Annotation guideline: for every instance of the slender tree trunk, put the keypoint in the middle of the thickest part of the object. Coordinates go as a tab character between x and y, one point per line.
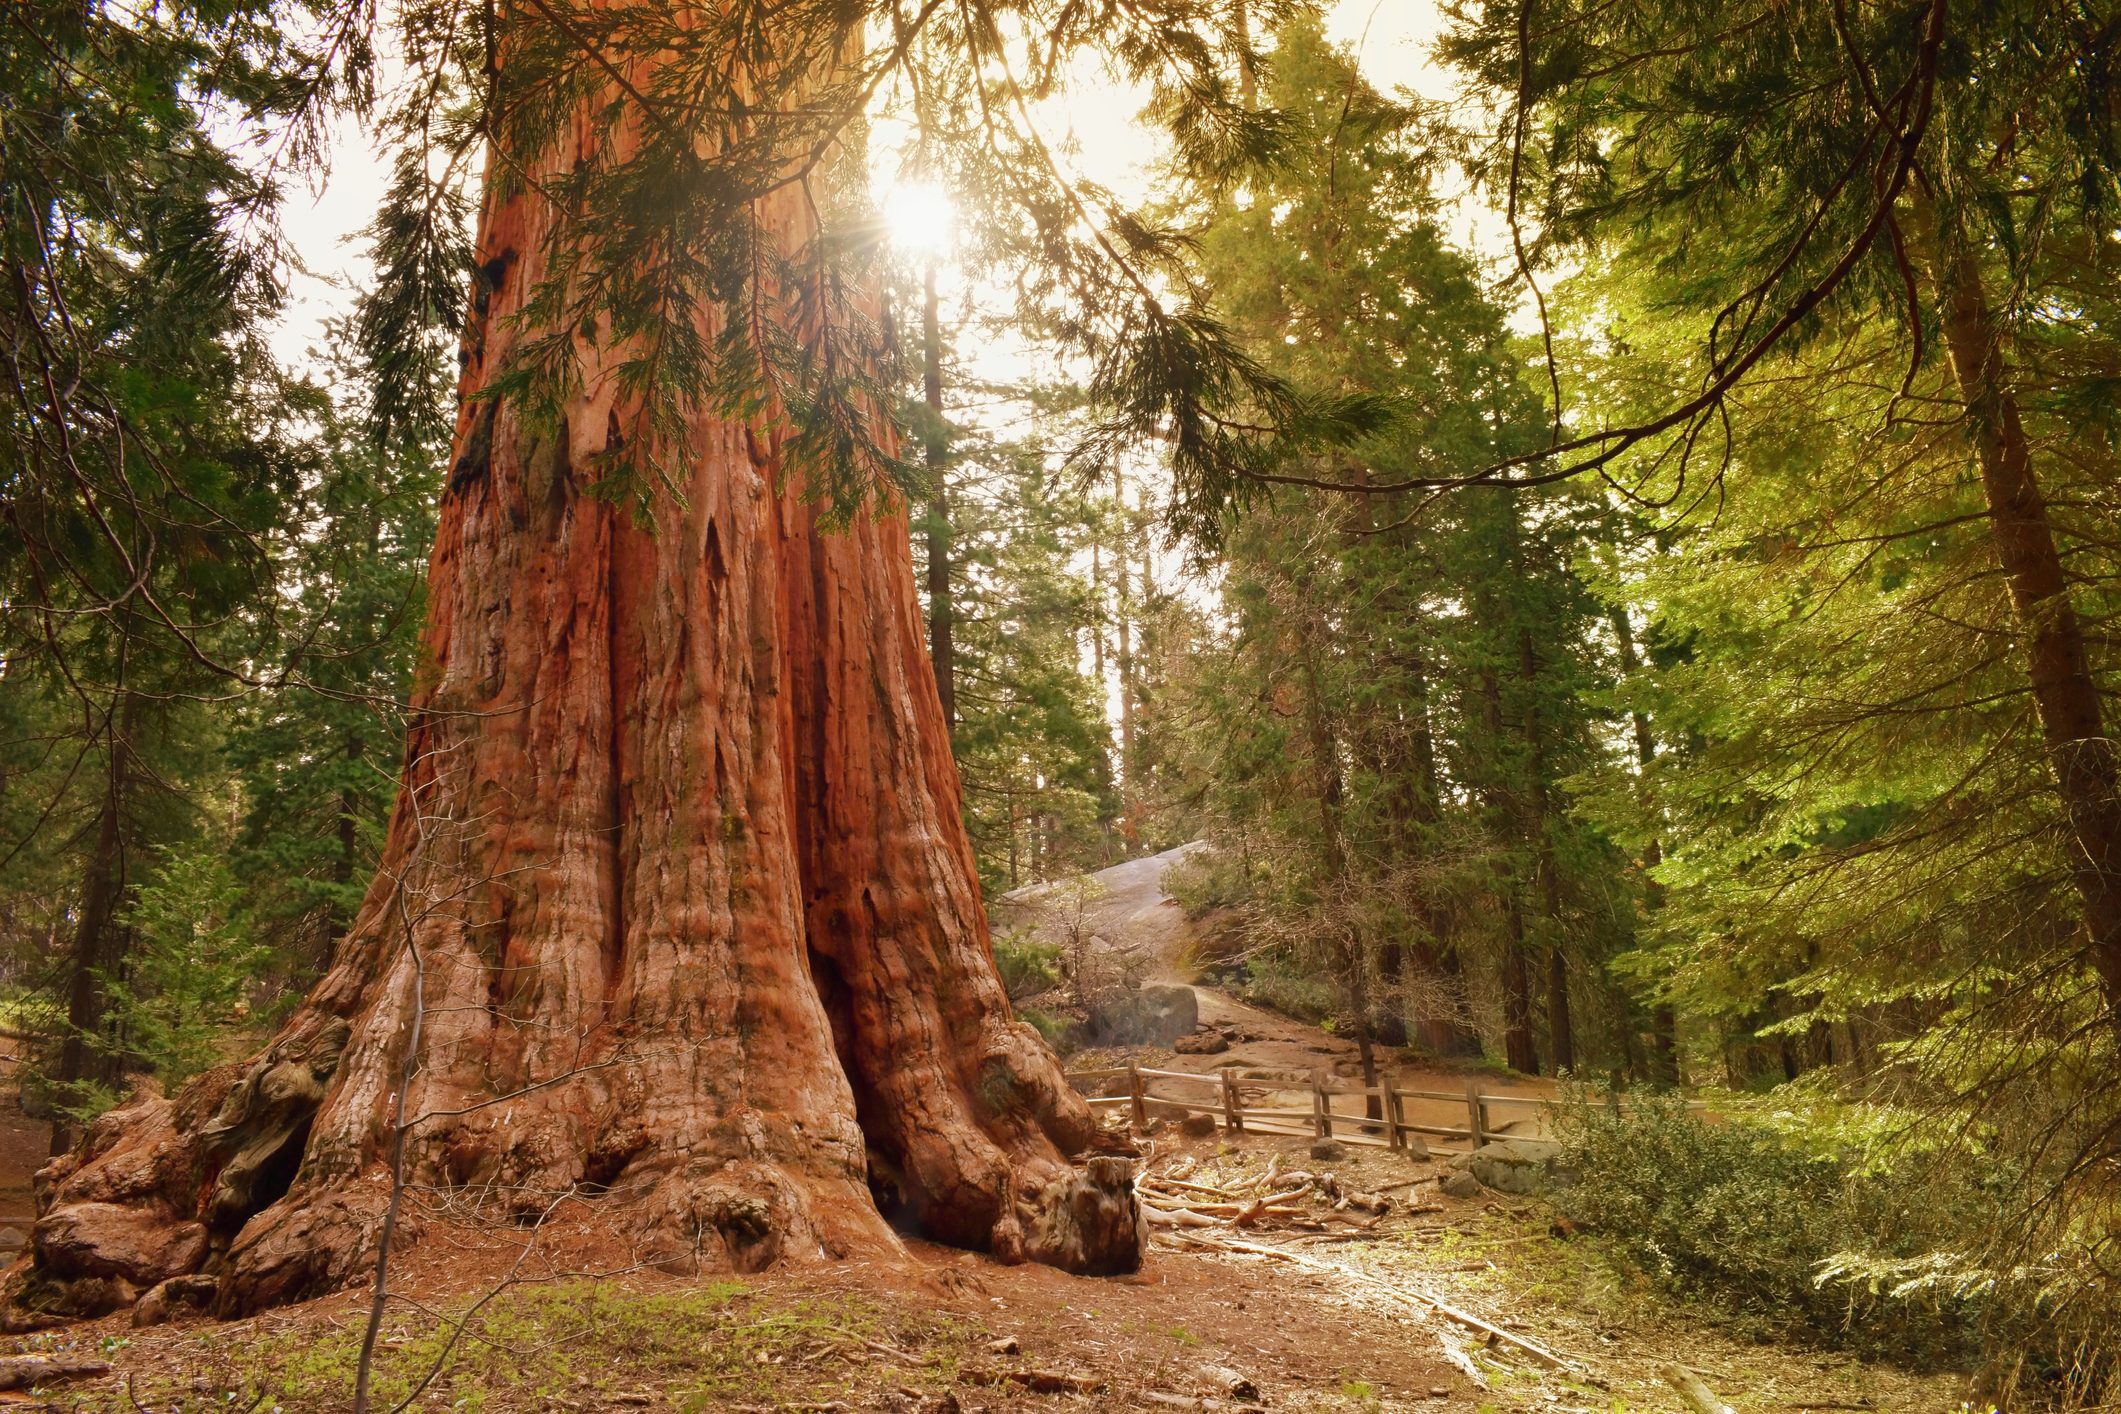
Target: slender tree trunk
678	840
1664	1024
2065	694
1443	1028
1519	1050
941	615
1561	1030
1325	764
1097	621
1123	612
98	949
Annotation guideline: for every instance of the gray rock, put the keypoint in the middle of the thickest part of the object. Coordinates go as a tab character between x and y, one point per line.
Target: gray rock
1330	1150
1156	1015
1461	1185
1522	1166
1417	1147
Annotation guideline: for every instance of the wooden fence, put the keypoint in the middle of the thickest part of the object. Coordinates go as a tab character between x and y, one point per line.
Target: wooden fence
1384	1123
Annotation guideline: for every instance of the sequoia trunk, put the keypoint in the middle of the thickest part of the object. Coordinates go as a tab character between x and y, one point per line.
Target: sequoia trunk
678	868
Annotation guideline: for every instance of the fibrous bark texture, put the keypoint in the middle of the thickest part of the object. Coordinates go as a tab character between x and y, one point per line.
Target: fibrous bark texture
676	882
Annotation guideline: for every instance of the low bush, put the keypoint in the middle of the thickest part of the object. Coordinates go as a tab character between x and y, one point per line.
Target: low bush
1027	965
1059	1030
1777	1233
1277	983
1203	880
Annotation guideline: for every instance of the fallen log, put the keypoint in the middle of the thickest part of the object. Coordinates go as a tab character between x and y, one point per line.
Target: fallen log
1177	1217
24	1371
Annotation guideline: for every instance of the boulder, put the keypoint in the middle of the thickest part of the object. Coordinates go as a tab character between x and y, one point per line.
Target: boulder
1202	1043
1461	1185
1197	1126
1329	1150
1156	1015
1417	1147
1522	1166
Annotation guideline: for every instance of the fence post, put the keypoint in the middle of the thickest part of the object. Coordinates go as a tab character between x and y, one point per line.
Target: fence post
1135	1089
1476	1116
1233	1107
1322	1113
1392	1117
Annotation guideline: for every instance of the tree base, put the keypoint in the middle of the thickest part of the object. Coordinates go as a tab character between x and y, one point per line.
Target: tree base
200	1192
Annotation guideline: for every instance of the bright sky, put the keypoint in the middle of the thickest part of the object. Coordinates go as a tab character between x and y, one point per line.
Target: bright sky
323	227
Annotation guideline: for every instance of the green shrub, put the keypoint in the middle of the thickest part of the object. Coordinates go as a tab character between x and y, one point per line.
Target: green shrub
185	993
1203	880
1770	1228
1059	1031
1277	983
1027	965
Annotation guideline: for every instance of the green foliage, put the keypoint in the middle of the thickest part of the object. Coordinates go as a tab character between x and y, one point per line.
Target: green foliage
1059	1031
193	968
1778	1229
1031	738
1863	864
1381	733
1285	984
1028	966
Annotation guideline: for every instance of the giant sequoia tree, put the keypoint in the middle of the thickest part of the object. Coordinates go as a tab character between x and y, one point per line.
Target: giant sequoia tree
676	903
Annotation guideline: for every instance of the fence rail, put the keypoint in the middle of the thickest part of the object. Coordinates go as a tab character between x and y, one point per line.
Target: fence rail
1384	1123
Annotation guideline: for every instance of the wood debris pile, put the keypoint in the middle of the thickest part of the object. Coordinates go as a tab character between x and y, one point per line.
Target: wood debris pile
1297	1201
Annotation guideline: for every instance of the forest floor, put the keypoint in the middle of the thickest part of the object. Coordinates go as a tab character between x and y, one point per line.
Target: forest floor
1326	1310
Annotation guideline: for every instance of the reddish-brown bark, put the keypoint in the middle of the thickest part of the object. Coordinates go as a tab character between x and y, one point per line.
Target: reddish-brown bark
696	917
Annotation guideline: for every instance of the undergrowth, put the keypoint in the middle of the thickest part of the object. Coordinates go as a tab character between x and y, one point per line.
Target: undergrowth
1782	1237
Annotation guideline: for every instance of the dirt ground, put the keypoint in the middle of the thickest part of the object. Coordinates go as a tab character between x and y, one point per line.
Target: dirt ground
1339	1315
1479	1304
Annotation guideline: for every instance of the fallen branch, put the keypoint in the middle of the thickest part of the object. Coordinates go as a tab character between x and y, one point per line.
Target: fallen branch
1158	1182
1037	1381
1698	1396
22	1371
1240	1211
1177	1217
1463	1361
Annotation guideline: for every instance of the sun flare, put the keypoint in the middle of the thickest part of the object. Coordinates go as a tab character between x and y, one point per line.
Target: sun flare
921	219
